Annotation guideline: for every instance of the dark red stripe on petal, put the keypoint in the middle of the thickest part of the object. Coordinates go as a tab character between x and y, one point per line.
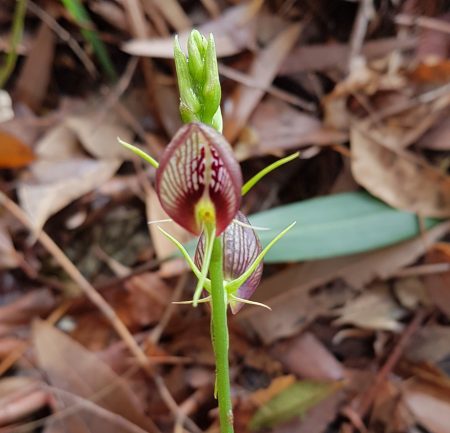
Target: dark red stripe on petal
241	247
199	163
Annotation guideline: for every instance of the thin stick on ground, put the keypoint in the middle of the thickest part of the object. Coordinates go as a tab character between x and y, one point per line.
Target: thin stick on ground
100	303
395	355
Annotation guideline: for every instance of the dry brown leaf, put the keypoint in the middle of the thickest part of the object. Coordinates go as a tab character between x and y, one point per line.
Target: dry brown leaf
148	298
73	369
288	295
58	183
276	126
86	416
9	385
6	108
389	411
438	285
58	143
438	137
429	405
330	56
35	74
93	131
307	357
232	34
98	131
411	292
432	53
264	69
174	14
430	344
111	13
401	181
37	303
362	80
13	152
374	309
21	398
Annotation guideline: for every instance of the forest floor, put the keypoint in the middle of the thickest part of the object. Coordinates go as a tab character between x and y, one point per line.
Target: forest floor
358	339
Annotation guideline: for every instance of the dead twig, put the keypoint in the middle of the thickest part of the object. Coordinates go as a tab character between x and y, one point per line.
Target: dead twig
431	268
366	12
424	22
367	399
65	36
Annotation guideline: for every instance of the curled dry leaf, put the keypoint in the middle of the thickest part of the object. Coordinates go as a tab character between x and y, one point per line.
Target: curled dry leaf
398	178
13	152
375	309
275	126
429	405
320	57
63	173
307	357
430	344
97	132
264	69
75	370
232	35
59	183
20	399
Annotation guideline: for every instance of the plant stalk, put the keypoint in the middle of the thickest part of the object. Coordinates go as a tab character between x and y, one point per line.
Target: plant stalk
219	329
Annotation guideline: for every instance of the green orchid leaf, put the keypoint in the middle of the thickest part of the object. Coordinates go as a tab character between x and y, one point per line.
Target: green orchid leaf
336	225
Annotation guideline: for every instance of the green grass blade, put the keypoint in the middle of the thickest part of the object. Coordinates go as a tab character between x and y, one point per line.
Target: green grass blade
82	18
16	37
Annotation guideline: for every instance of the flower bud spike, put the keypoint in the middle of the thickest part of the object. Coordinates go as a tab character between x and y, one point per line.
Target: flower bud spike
247	301
209	232
258	176
187	257
217	121
233	286
187	95
196	51
139	152
211	89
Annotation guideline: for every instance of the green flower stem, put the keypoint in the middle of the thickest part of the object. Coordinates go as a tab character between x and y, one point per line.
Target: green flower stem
219	329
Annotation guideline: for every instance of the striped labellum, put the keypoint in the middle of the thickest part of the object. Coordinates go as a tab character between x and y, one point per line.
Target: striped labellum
241	247
198	180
